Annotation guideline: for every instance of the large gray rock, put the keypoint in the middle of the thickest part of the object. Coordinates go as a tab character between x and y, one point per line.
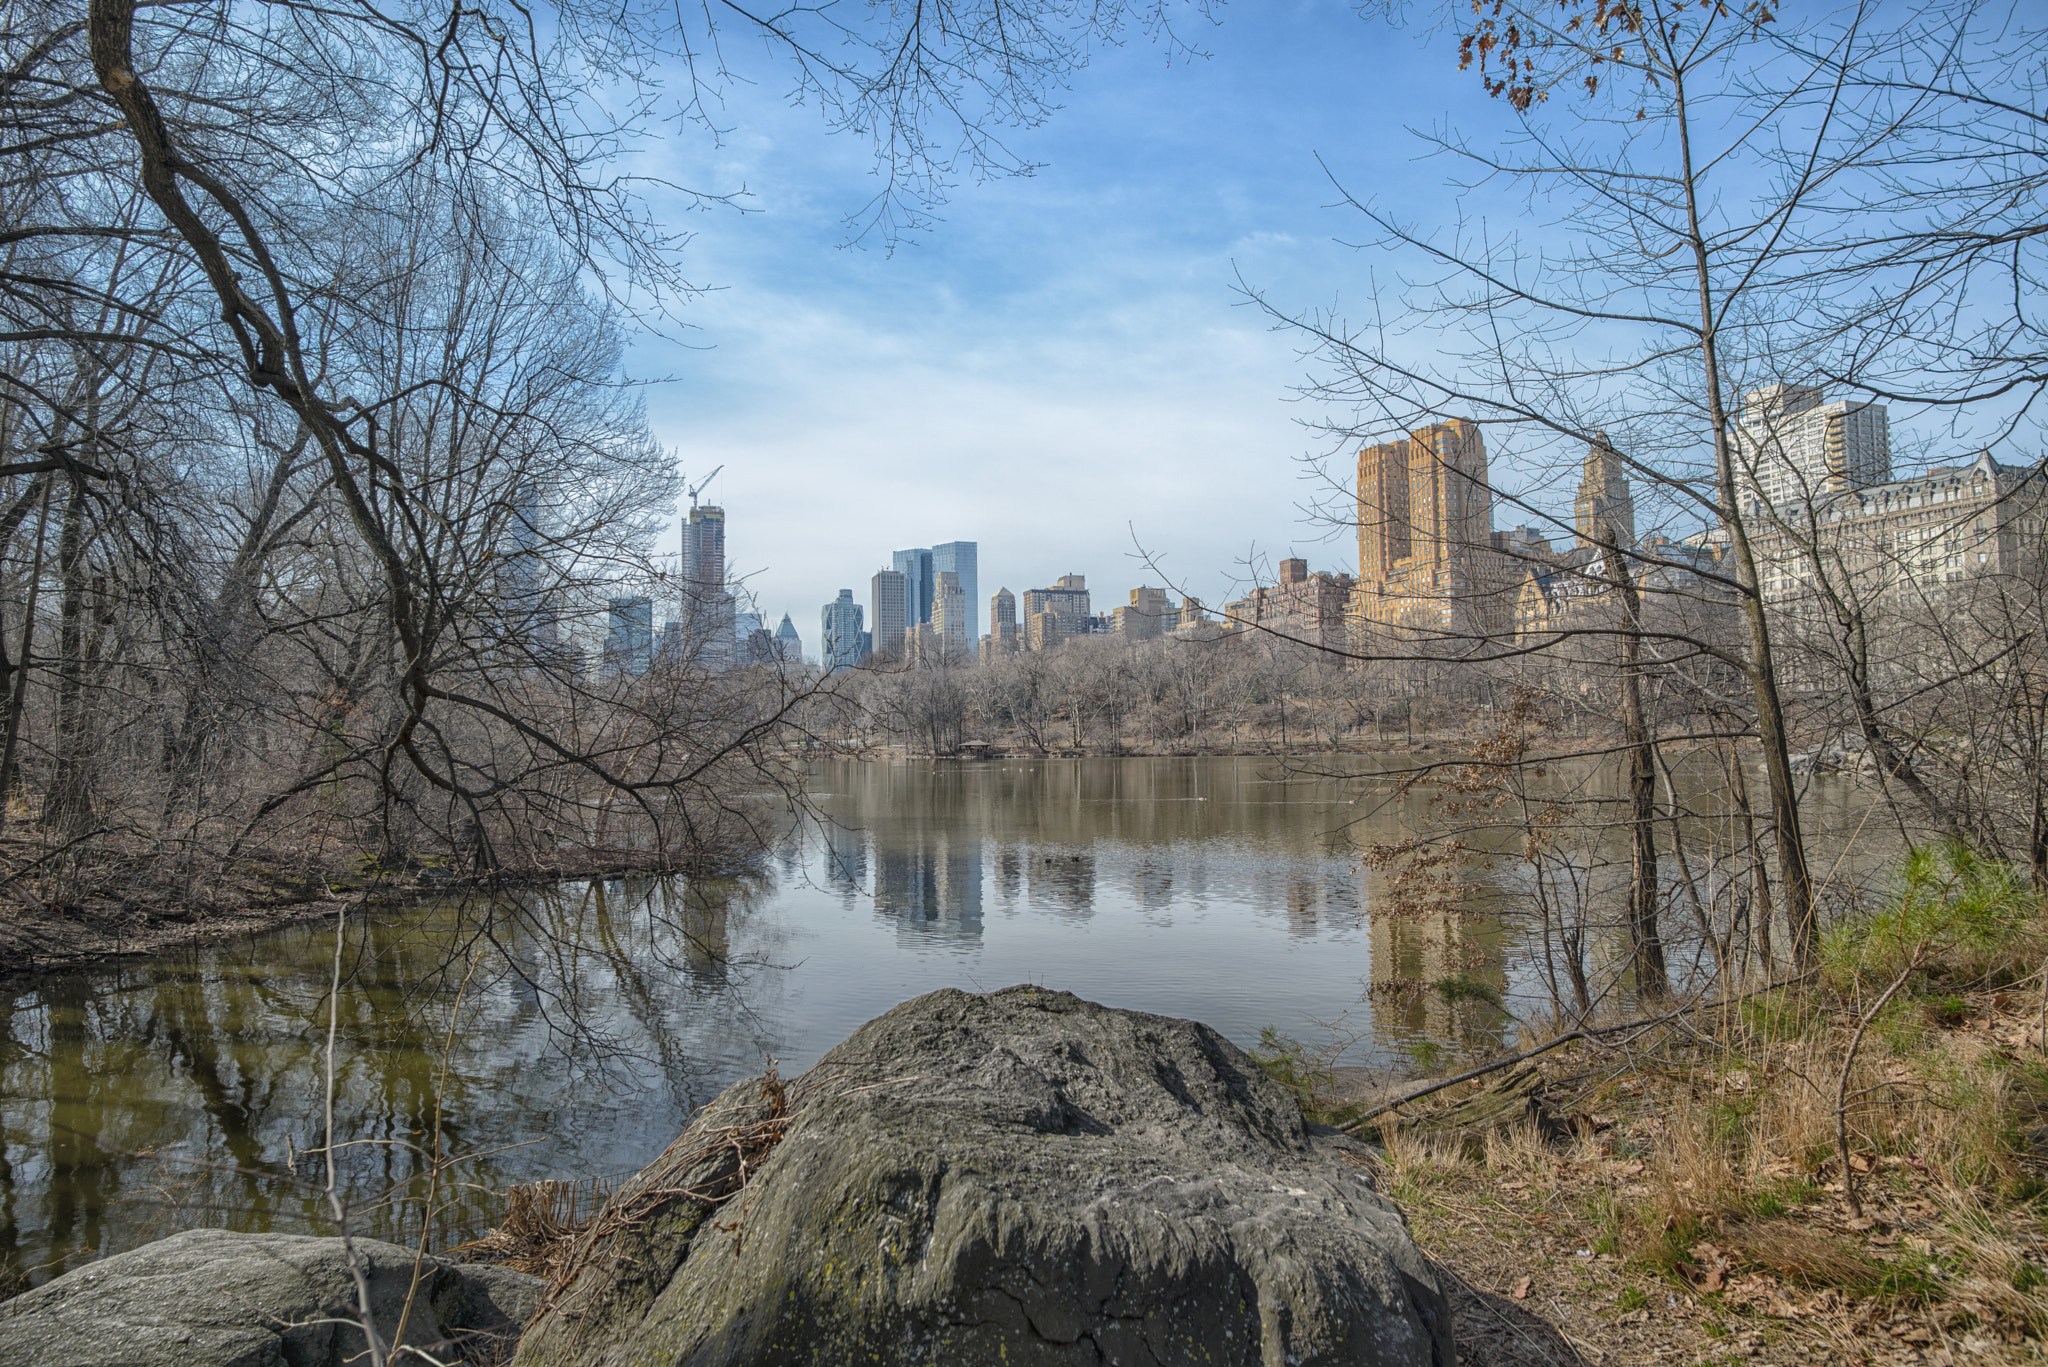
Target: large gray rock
208	1298
1019	1178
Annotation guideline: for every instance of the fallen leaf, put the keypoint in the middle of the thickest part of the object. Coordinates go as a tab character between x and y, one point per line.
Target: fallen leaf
1861	1162
1521	1291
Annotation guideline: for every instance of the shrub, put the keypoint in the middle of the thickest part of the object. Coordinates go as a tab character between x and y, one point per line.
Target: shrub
1968	918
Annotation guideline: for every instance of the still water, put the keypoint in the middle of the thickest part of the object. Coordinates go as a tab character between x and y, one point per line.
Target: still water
572	1034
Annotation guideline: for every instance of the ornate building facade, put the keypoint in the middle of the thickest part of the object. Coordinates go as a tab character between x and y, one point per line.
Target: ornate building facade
1429	567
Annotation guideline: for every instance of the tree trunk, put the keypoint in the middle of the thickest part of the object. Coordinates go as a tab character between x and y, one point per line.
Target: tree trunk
1646	948
67	807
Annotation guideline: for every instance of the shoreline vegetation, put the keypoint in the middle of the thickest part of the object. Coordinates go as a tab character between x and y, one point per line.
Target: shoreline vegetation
1848	1168
62	910
122	920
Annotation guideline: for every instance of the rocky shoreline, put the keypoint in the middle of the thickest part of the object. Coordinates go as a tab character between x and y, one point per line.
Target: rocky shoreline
1020	1177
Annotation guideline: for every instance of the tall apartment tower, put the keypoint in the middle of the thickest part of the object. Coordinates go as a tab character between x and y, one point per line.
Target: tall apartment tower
707	606
704	548
1003	636
530	617
1149	614
1604	498
962	559
950	615
1426	559
1052	615
889	599
1795	448
839	630
919	583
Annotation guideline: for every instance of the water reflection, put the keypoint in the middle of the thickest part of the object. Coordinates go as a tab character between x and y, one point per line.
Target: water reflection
594	1018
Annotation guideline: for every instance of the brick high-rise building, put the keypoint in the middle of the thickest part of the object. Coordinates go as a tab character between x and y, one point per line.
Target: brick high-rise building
1311	608
1427	563
1149	614
1604	497
1064	605
1004	635
949	613
707	608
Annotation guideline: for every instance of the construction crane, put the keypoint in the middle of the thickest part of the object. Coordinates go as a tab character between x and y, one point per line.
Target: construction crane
698	487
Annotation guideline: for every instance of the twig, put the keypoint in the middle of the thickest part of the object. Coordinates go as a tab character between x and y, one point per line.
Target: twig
419	1256
1849	1197
334	1201
1591	1032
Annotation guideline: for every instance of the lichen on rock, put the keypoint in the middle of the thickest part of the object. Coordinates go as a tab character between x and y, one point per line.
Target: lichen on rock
1020	1177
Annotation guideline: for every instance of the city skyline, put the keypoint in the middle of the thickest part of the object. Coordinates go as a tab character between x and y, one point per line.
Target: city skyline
1060	368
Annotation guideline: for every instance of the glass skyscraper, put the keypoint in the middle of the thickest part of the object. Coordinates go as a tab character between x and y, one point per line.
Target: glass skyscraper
840	631
959	558
629	636
920	581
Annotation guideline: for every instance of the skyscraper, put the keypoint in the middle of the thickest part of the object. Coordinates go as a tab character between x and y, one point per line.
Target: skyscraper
1003	636
962	558
1794	448
529	616
707	606
950	616
704	547
1426	558
1052	615
788	644
888	597
919	583
842	640
1604	497
629	636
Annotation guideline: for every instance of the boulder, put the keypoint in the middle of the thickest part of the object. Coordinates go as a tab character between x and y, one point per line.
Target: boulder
208	1298
1020	1178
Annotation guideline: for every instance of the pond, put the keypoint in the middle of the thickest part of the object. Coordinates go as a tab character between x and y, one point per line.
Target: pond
573	1032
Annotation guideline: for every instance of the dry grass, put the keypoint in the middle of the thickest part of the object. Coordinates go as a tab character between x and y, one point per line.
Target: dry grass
1705	1221
541	1224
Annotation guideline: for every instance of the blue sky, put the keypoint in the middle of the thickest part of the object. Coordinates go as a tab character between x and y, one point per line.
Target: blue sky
1062	369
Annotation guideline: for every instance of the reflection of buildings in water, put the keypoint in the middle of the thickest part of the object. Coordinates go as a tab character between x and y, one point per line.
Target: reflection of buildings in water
1152	886
846	857
1010	873
1304	899
931	888
1062	882
705	912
